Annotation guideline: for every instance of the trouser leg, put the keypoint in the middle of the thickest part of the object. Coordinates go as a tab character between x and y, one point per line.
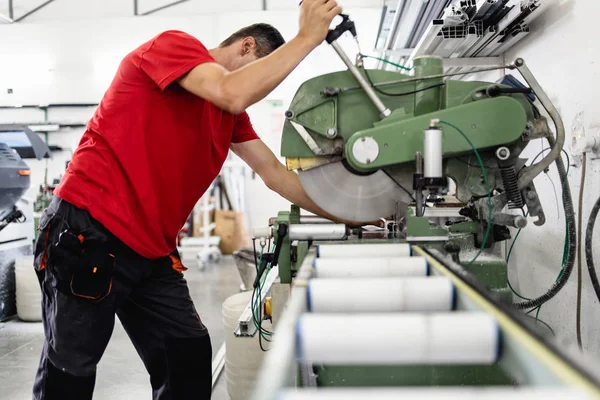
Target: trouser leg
160	318
77	332
77	325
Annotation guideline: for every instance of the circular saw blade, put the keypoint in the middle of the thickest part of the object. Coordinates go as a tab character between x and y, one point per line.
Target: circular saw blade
352	197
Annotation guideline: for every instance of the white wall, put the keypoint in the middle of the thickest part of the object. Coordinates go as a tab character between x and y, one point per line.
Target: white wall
73	61
71	10
564	56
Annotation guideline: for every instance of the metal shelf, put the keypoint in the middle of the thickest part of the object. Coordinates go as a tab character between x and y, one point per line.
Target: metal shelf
453	29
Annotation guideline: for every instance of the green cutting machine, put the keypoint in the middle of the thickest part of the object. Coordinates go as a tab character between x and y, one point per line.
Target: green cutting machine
371	144
423	301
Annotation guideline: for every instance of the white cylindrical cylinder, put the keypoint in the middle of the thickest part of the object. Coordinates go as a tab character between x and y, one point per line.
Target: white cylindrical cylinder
376	250
389	339
243	356
433	154
263	232
28	293
426	294
370	267
444	393
317	231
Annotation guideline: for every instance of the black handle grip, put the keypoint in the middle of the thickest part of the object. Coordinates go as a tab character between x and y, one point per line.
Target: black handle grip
494	91
347	25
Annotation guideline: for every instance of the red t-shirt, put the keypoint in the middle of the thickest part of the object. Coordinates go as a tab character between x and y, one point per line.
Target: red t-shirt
152	148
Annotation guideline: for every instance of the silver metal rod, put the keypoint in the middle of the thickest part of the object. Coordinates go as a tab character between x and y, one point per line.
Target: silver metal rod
423	78
419	192
514	221
366	86
531	172
317	231
313	219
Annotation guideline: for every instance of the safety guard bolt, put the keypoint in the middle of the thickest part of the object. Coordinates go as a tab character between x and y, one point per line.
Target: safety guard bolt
502	153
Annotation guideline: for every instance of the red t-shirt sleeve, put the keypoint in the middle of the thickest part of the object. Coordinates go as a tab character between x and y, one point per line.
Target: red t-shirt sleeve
242	129
171	55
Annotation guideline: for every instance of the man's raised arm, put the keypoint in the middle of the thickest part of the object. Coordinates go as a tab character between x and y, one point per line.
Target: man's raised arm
237	90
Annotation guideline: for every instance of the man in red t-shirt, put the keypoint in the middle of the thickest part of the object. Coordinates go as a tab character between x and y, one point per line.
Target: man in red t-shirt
108	240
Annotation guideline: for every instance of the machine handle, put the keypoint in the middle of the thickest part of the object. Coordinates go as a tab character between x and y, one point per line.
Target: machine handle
347	25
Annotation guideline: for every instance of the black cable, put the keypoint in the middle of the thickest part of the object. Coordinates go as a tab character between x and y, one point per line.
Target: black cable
260	318
579	234
572	245
255	319
473	165
589	256
400	94
255	256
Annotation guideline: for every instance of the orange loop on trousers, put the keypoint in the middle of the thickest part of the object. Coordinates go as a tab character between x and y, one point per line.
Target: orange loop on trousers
177	265
45	252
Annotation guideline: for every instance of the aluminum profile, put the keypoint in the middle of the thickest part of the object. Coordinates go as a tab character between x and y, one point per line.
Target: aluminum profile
430	39
471	38
511	16
482	7
460	28
407	22
515	37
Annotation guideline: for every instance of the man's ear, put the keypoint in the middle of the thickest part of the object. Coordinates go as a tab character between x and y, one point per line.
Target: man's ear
248	45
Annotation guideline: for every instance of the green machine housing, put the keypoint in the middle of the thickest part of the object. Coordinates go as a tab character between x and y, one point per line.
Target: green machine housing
335	112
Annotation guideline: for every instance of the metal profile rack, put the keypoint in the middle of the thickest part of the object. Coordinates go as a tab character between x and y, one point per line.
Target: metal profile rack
454	29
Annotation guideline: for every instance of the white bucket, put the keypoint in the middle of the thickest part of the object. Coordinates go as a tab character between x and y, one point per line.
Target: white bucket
243	355
28	293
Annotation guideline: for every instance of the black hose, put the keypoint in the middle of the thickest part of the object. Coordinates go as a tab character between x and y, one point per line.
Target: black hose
589	256
579	269
571	229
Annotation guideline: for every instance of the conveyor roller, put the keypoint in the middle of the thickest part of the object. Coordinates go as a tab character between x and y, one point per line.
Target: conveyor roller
352	267
425	294
394	338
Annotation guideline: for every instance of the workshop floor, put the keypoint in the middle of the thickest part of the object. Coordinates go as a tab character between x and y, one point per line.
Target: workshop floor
121	374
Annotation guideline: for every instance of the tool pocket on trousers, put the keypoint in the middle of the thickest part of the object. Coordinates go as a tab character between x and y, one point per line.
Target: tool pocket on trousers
92	280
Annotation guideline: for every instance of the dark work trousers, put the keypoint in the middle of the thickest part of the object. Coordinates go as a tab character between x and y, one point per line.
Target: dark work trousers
87	276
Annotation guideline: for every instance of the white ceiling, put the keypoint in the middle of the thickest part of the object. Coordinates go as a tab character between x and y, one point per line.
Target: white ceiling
59	10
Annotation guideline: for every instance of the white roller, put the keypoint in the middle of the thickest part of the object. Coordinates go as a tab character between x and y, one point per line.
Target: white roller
380	295
370	267
364	250
390	339
317	231
445	393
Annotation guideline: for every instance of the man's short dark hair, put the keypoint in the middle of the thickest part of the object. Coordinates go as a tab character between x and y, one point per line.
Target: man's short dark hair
267	38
